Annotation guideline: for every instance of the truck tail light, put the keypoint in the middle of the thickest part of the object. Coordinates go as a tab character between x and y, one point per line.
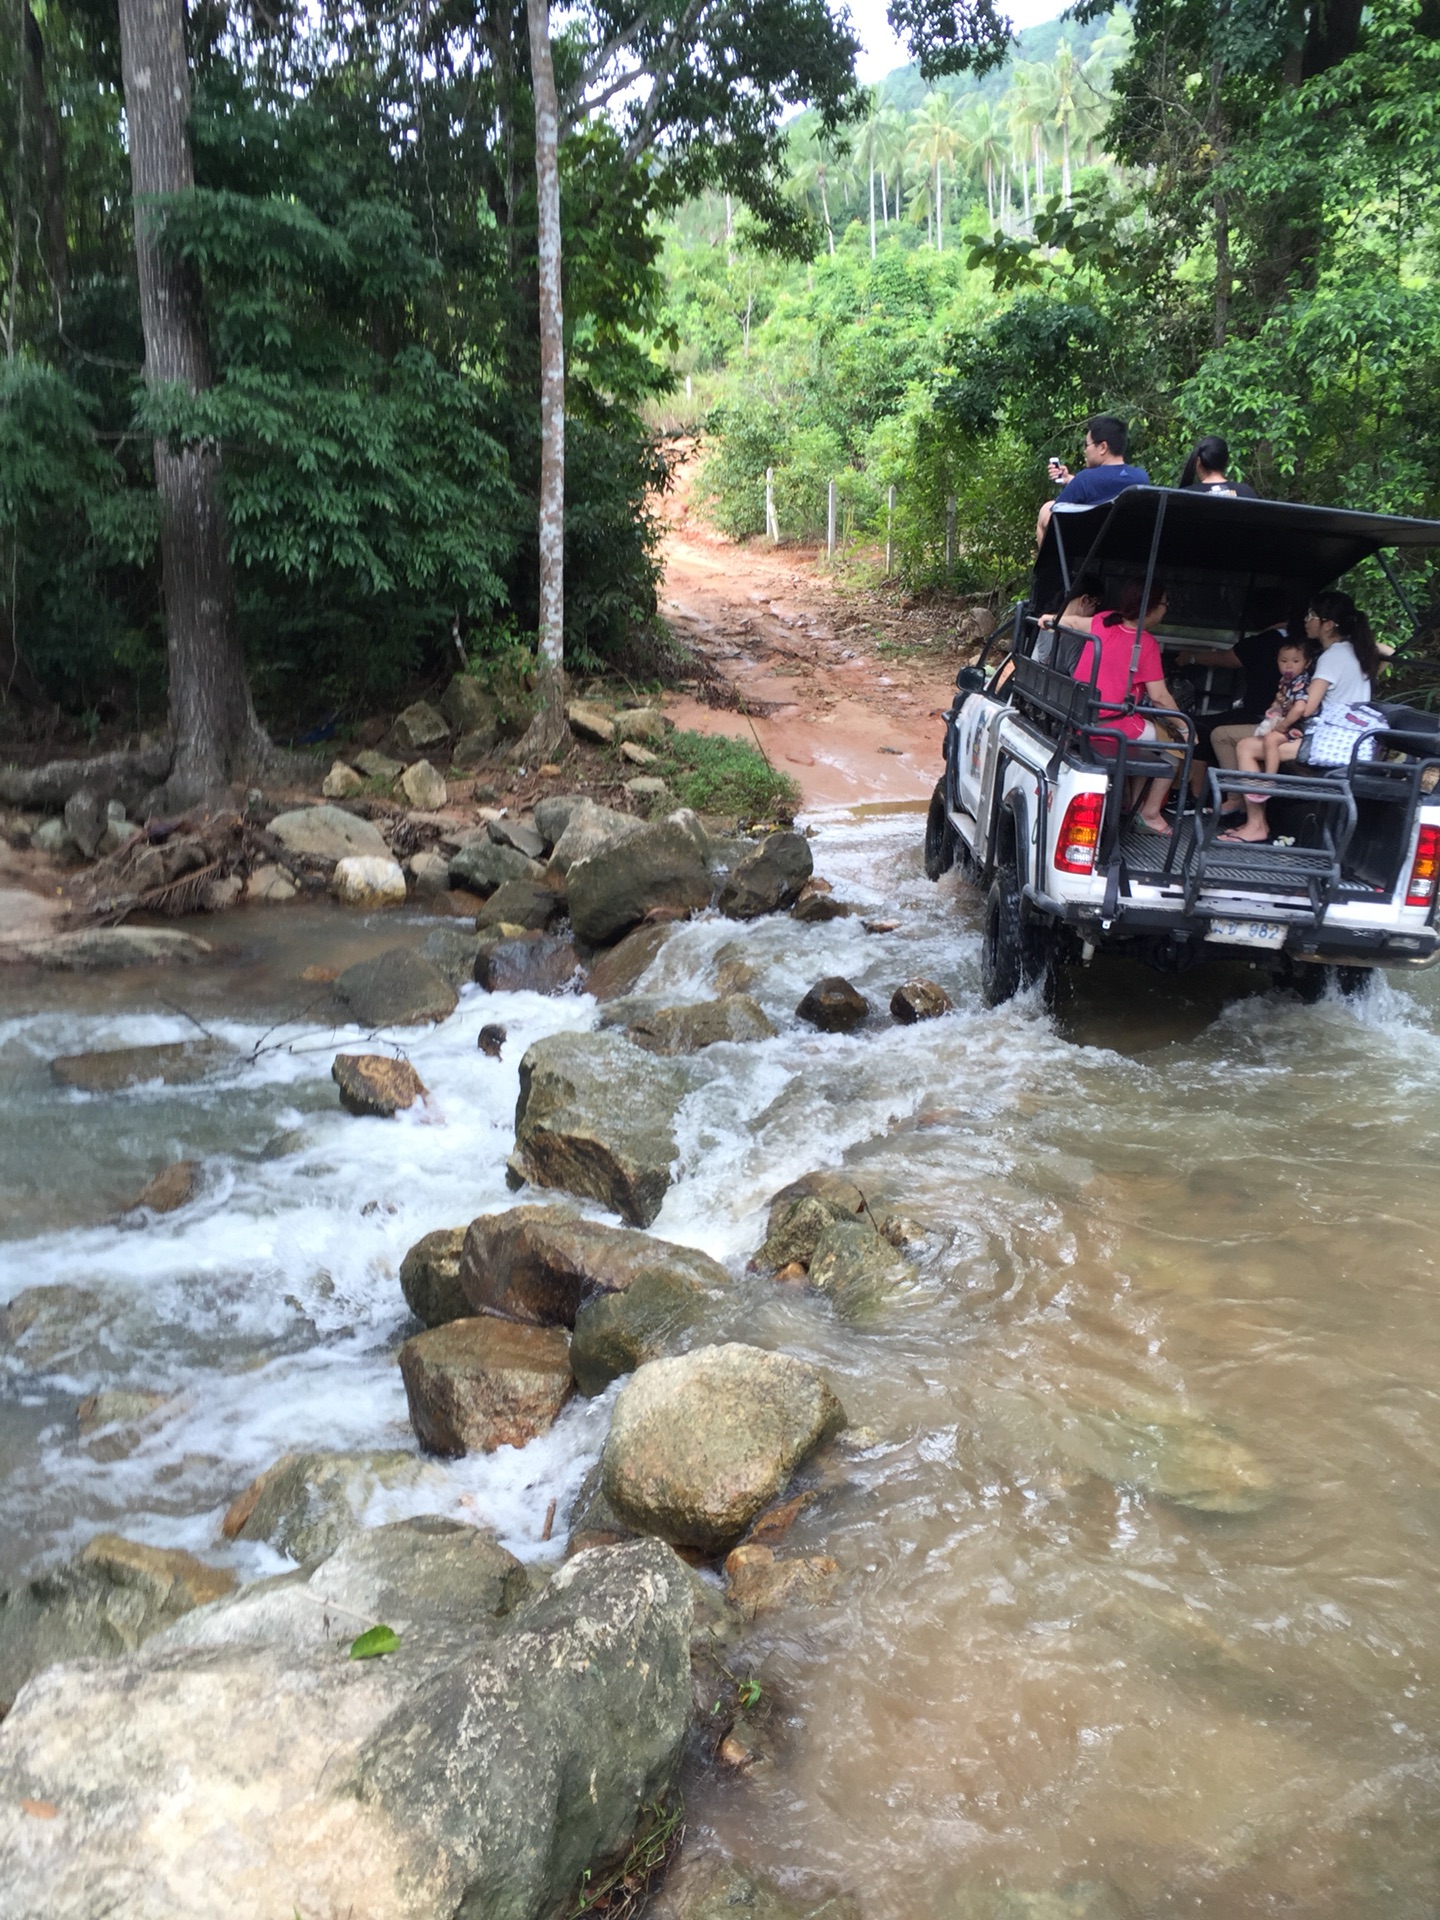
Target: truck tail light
1079	840
1421	890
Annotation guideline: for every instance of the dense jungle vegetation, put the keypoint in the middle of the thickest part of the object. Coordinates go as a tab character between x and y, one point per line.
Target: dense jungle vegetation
1207	215
1217	216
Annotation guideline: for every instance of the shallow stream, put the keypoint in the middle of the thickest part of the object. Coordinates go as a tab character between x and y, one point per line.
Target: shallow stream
1179	1226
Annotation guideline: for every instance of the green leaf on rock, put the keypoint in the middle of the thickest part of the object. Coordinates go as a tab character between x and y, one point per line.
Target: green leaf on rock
373	1642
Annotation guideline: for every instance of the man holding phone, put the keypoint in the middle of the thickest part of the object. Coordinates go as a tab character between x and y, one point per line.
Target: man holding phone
1104	474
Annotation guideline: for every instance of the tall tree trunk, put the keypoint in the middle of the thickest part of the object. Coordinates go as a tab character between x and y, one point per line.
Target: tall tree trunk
547	732
1004	192
57	252
825	206
939	213
216	733
1039	168
1024	172
1065	163
1224	276
872	213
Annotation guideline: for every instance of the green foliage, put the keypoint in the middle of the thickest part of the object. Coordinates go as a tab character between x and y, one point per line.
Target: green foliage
374	1642
714	774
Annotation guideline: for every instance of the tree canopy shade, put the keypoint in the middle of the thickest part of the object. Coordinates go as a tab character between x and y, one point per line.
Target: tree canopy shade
970	37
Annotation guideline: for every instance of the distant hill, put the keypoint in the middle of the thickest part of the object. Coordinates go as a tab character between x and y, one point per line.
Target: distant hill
905	89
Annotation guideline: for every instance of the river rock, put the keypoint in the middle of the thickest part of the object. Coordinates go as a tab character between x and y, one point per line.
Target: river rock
768	878
474	1385
522	835
86	820
374	1085
920	1000
452	951
593	1521
688	1029
418	727
102	1604
397	988
267	883
342	782
306	1504
117	1407
53	837
43	1324
647	786
173	1187
710	1889
590	723
814	909
429	874
640	723
617	1332
469	710
833	1005
99	949
660	866
615	972
263	1780
1175	1456
543	1264
639	756
757	1582
794	1240
364	881
483	865
423	787
701	1442
328	833
430	1278
588	830
379	766
532	905
174	1063
552	815
527	963
855	1266
596	1117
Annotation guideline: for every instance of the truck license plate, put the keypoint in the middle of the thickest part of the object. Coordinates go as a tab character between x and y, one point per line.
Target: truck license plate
1248	933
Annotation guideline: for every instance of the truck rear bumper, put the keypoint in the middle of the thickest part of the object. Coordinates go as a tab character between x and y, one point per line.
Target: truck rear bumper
1330	944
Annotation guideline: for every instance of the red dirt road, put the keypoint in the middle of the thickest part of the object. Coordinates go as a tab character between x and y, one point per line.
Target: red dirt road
842	686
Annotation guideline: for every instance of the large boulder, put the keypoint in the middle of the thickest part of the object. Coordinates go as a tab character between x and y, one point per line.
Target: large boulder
527	962
101	949
362	881
855	1266
596	1117
704	1023
374	1086
543	1264
49	1323
342	782
552	815
174	1063
418	727
469	710
483	865
767	879
258	1774
590	723
617	1332
659	868
920	1000
474	1385
590	829
424	787
430	1278
328	833
452	950
397	988
699	1443
800	1213
306	1504
114	1595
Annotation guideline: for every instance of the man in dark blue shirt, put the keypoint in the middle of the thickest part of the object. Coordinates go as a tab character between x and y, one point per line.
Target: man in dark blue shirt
1104	474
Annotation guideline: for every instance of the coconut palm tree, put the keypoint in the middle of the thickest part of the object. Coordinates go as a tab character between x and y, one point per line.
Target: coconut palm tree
985	147
1066	69
934	141
894	132
1034	91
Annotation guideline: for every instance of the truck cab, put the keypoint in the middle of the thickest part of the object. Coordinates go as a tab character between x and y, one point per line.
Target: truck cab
1033	800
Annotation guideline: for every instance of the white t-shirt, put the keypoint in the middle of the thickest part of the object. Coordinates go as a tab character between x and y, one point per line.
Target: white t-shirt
1345	683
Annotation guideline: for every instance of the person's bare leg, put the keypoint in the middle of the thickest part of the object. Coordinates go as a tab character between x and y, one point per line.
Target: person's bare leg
1152	802
1249	758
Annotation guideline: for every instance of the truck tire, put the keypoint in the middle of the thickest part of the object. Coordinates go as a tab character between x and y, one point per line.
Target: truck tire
939	836
1310	981
1014	952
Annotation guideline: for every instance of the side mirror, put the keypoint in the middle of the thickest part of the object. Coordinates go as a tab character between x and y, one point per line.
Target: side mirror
971	679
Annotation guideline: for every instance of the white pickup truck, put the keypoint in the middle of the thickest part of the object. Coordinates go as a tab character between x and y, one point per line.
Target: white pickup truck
1033	798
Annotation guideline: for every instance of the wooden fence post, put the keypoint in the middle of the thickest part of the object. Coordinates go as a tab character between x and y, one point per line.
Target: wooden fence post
772	525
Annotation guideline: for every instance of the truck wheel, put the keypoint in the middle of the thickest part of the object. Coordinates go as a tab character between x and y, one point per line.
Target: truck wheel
1310	982
939	836
1012	954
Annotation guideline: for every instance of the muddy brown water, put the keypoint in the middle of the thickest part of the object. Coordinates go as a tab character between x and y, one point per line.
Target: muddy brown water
1139	1523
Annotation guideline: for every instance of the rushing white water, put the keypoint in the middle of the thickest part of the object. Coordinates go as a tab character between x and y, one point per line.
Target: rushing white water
1182	1200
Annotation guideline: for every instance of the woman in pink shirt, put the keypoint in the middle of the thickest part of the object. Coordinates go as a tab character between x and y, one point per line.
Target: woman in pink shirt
1116	683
